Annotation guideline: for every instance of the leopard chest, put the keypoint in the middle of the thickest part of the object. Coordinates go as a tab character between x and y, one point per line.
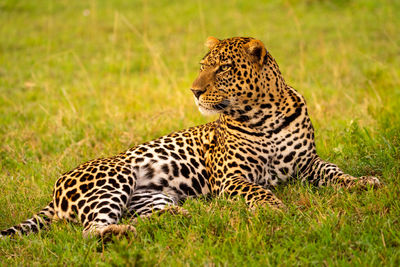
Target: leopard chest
236	155
289	149
266	162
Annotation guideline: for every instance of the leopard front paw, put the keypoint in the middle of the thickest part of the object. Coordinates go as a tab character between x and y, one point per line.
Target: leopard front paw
363	182
369	181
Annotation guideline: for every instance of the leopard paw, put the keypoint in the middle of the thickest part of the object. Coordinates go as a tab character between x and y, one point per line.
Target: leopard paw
369	181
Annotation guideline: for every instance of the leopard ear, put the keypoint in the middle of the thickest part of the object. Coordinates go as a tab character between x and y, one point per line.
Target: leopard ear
257	50
211	42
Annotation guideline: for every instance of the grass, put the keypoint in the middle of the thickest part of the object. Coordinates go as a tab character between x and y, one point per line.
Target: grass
80	80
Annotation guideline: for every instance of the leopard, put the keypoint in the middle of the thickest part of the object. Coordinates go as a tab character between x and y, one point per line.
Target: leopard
262	137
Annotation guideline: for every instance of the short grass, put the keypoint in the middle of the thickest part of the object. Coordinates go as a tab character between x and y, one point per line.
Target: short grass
84	79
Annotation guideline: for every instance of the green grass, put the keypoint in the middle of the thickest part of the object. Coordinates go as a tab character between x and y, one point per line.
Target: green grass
84	79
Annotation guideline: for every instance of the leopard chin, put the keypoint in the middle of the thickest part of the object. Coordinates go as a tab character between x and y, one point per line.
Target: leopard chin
208	112
214	109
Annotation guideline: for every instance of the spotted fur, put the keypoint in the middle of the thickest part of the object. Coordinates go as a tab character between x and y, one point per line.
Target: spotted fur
262	137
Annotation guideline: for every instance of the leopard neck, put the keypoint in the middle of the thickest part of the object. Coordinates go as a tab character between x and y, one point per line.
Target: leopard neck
269	114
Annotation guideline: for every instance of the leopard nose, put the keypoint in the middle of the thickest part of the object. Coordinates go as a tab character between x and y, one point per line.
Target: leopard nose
197	93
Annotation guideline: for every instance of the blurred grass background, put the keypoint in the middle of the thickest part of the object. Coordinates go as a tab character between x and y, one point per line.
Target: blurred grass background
84	79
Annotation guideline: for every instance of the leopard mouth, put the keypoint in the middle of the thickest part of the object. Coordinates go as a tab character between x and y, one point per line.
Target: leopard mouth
222	105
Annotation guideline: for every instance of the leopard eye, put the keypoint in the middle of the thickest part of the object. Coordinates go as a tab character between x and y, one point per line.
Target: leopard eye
224	67
203	64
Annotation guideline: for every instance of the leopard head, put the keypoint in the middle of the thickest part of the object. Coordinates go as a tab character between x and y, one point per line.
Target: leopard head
235	77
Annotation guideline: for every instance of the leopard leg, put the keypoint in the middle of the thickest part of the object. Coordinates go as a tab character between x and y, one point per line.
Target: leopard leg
322	173
254	194
146	203
104	212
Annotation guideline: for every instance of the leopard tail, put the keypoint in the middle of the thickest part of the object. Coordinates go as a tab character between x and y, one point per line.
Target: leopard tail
32	225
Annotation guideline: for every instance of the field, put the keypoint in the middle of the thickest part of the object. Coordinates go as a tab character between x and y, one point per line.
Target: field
87	79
